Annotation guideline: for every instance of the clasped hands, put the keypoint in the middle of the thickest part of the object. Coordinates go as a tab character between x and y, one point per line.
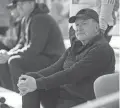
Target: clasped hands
26	84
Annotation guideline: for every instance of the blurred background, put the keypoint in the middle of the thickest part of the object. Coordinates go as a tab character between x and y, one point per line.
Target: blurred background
61	10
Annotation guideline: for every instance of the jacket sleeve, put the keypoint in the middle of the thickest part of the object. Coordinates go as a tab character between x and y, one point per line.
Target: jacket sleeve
56	67
17	48
39	30
21	40
93	63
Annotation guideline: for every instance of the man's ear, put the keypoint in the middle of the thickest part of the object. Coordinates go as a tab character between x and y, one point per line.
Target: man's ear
97	27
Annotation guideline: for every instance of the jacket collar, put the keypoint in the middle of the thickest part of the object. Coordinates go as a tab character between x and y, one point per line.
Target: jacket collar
39	9
78	47
95	39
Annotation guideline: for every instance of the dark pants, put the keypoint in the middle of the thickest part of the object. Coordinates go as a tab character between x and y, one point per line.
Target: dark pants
50	99
5	79
9	74
16	70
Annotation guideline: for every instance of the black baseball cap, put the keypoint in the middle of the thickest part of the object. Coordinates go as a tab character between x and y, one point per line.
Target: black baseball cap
12	5
85	14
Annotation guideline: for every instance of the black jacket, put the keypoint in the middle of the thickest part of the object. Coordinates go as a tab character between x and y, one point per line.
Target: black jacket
43	39
77	69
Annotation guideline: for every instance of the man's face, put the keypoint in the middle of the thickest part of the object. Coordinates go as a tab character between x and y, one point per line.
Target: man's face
85	29
14	13
23	8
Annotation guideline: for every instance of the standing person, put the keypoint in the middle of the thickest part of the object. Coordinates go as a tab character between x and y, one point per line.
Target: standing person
71	78
43	41
107	18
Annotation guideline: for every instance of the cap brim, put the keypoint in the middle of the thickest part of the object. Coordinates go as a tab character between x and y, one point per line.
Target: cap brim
11	6
25	0
73	18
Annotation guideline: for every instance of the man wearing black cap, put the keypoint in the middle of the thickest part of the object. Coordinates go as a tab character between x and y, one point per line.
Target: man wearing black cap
43	41
89	57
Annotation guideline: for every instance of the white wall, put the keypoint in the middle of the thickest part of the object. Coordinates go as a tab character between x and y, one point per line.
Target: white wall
4	17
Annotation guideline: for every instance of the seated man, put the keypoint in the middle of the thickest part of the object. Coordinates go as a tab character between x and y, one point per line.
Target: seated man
12	37
71	78
42	42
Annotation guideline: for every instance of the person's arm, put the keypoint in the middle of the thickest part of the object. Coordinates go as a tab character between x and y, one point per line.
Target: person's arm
19	45
17	48
105	16
56	67
93	63
21	39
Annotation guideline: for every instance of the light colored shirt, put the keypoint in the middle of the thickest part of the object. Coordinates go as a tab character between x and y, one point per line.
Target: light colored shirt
106	10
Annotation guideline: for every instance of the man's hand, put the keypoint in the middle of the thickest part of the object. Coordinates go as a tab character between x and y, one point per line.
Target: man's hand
26	84
2	51
4	56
